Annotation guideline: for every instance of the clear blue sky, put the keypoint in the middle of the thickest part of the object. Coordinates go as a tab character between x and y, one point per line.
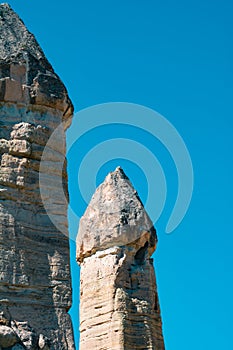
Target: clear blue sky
175	57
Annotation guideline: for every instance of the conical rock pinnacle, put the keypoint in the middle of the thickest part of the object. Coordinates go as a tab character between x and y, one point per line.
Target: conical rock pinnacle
26	76
114	217
16	39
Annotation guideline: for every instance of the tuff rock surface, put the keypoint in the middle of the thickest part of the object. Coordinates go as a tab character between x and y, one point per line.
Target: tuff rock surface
119	306
35	286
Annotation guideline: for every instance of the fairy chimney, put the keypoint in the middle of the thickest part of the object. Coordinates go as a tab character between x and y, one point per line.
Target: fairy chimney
35	283
119	307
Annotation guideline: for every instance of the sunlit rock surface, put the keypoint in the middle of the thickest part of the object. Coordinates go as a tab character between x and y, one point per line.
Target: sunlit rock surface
35	283
119	307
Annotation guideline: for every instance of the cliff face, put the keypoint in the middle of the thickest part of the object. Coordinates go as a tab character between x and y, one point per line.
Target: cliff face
35	290
119	306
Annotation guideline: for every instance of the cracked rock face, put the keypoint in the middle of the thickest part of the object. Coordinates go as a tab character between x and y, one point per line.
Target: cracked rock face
119	306
19	335
35	284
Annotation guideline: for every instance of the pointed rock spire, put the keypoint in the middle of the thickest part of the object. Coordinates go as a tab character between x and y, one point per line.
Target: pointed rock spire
114	217
19	39
119	307
26	76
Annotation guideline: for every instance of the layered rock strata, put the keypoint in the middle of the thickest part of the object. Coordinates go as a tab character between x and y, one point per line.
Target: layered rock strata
119	306
35	283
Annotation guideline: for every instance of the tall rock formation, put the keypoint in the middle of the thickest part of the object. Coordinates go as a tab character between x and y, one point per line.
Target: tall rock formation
119	306
35	288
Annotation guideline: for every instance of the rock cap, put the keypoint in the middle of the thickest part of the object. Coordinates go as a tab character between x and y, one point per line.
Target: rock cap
114	217
26	76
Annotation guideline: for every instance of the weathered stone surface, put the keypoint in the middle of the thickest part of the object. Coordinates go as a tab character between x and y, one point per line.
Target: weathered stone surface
26	76
43	343
5	317
21	336
35	286
26	334
119	306
115	216
8	337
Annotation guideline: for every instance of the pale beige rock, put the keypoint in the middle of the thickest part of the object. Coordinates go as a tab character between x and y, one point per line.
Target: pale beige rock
43	342
119	306
115	216
13	90
35	283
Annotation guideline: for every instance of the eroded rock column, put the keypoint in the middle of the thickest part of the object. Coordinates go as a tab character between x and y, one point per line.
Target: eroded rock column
119	306
35	283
